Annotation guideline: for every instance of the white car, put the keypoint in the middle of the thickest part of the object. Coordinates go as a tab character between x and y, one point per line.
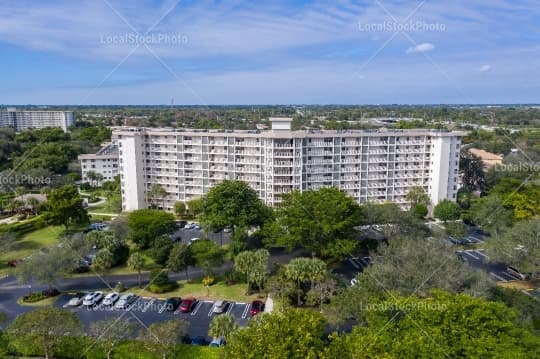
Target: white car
220	306
111	298
193	240
74	302
92	298
125	301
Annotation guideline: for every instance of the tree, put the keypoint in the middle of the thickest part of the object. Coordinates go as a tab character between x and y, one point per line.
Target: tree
254	266
179	208
120	228
420	270
233	204
417	196
45	328
281	287
156	193
180	258
518	246
206	255
452	326
64	207
295	334
472	170
50	264
447	210
491	214
147	224
161	248
321	221
195	207
136	262
456	229
222	326
103	261
111	332
301	270
91	176
420	211
162	338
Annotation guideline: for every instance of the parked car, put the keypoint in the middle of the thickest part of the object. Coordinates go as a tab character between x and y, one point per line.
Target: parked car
187	305
111	298
125	301
196	227
181	224
189	225
354	281
514	272
74	302
227	229
172	304
220	306
193	240
200	340
217	342
257	306
92	298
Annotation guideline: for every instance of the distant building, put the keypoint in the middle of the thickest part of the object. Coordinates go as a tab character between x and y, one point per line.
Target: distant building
488	159
22	120
103	162
370	166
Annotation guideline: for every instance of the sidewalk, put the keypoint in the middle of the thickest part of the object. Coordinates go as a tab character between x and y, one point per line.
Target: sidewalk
269	305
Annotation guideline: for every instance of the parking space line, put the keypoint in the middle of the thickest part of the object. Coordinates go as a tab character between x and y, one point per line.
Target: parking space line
244	314
353	262
479	252
211	309
231	305
498	277
148	304
468	252
197	307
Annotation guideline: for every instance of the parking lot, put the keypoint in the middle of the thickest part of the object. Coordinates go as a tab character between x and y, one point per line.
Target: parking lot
477	258
146	311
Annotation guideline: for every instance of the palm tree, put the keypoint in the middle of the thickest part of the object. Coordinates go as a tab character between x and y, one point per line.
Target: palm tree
222	326
297	270
156	192
136	262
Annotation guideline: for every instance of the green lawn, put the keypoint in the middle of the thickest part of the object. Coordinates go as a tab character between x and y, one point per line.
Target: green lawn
219	290
30	243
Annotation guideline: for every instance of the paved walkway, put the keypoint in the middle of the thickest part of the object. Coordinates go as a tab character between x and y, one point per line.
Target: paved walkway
269	305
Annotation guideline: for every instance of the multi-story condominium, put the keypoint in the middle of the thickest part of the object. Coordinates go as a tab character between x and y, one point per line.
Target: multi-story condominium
22	120
104	163
372	166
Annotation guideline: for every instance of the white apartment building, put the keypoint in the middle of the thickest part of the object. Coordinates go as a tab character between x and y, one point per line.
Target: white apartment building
22	120
103	162
371	166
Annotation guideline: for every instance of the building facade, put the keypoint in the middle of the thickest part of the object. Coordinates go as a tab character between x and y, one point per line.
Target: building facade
104	163
371	166
22	120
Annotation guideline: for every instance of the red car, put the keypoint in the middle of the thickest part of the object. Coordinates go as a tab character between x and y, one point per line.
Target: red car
257	306
187	305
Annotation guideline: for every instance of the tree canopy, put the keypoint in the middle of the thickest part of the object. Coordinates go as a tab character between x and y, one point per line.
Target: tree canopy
147	224
321	221
64	206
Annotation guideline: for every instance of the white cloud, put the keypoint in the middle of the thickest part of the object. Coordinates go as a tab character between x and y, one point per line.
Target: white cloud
484	68
424	47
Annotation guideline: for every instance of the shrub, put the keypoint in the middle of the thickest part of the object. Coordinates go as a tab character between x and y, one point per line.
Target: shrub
161	282
34	297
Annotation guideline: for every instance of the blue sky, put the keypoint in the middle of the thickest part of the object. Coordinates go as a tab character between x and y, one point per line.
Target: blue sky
269	52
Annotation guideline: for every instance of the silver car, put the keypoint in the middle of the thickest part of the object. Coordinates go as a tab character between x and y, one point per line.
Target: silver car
125	301
92	298
220	306
111	298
